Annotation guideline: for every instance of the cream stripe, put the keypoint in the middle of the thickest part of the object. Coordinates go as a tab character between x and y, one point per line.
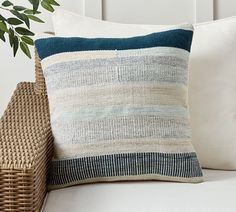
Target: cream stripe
124	146
126	94
74	56
104	54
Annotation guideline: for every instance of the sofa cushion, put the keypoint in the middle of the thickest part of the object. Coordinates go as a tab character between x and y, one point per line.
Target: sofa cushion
216	194
212	87
119	108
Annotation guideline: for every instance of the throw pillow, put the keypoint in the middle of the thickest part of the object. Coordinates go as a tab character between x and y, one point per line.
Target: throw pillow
119	108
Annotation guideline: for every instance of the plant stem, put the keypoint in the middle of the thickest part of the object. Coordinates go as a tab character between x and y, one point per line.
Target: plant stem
10	26
16	33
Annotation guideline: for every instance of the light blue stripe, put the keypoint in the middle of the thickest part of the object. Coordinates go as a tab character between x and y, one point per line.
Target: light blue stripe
98	113
91	64
112	75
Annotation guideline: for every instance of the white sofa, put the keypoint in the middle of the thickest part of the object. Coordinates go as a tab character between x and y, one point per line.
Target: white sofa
216	194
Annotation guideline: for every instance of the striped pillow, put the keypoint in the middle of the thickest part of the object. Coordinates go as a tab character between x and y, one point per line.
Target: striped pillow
119	108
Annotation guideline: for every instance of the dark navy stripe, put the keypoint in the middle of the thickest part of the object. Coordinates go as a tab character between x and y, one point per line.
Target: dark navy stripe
181	165
177	38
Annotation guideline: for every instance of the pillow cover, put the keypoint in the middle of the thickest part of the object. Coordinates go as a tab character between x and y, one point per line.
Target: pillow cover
212	87
119	108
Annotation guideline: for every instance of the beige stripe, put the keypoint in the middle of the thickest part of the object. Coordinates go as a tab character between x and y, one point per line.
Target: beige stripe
120	94
131	178
81	55
123	146
102	54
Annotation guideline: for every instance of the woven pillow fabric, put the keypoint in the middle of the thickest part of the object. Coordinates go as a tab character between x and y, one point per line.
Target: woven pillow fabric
119	108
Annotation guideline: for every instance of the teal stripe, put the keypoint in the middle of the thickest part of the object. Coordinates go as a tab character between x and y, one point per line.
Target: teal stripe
177	165
98	113
178	38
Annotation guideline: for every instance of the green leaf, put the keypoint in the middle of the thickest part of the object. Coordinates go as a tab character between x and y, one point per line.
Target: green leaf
11	36
14	21
23	31
35	5
3	27
31	12
52	2
17	14
7	4
34	18
47	6
22	17
26	20
2	18
25	49
27	40
2	37
19	8
15	45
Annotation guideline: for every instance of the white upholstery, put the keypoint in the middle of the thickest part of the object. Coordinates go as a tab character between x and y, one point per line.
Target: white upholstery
216	194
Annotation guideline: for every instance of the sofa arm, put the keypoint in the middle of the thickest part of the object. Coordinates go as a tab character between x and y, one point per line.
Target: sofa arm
25	150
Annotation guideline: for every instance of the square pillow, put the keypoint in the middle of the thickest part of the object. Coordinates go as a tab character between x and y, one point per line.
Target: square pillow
212	87
119	108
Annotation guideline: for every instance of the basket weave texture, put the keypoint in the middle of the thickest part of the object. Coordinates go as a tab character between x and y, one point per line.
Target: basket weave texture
25	150
40	85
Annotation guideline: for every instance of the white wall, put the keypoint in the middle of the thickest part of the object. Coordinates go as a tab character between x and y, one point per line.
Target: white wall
14	70
20	68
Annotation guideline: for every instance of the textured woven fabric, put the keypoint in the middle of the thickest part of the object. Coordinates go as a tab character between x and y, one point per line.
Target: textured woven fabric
119	108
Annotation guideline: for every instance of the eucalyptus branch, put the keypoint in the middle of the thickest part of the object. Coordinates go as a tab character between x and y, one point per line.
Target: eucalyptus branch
17	24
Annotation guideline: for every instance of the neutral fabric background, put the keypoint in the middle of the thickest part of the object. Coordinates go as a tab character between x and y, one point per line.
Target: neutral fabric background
14	70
